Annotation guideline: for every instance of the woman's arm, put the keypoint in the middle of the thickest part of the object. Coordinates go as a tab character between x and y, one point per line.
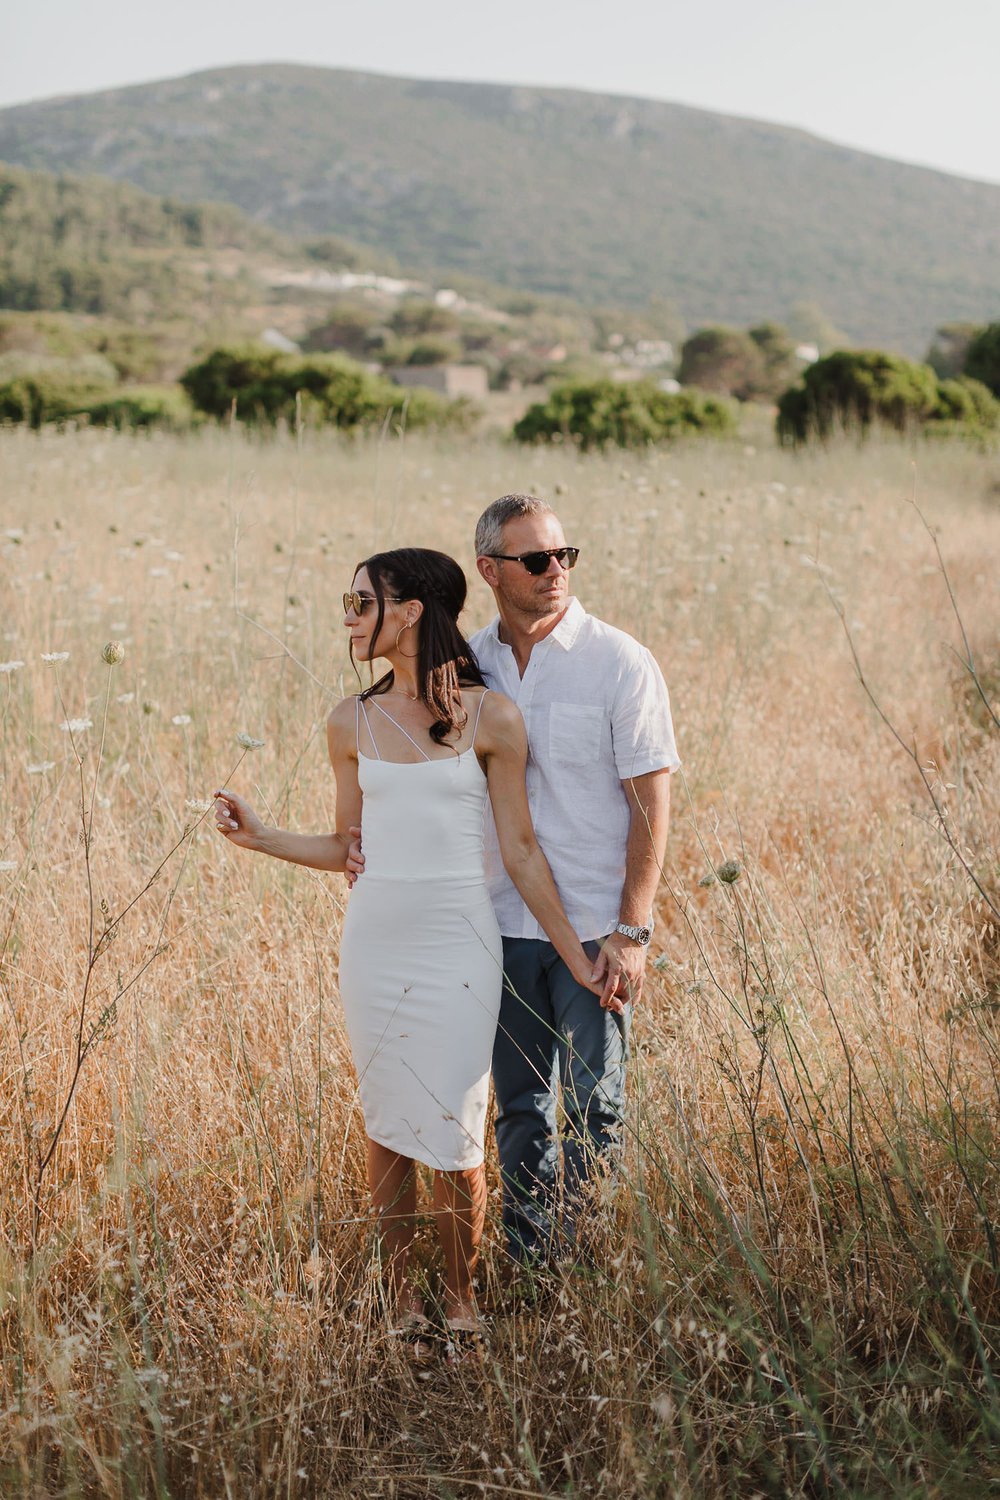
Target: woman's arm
504	745
237	820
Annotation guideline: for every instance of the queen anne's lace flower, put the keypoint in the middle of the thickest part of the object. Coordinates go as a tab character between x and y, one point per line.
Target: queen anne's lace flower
55	656
248	742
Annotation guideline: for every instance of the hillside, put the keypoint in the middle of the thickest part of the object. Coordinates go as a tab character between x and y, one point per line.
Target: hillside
607	200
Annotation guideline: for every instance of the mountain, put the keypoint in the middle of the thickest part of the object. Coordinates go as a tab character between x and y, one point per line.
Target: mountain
603	199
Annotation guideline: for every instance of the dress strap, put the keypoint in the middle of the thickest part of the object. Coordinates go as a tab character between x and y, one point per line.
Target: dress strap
363	713
399	727
475	727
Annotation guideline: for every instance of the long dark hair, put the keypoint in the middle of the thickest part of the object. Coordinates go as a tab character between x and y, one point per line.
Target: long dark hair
447	662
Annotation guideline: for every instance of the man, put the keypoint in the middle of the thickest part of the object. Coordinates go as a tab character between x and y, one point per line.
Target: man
601	750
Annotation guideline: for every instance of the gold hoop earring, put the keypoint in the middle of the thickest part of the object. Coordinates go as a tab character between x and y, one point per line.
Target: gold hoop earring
409	654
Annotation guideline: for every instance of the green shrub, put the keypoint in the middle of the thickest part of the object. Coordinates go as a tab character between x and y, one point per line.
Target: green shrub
950	347
966	408
138	408
630	415
40	401
851	390
332	390
725	361
982	360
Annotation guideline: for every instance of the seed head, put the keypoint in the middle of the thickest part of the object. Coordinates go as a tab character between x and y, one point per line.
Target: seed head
113	653
729	872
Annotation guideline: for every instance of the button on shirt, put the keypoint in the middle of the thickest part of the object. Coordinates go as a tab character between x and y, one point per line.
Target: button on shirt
597	712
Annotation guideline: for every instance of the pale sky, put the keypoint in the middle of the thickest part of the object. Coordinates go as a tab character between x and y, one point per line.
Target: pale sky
911	79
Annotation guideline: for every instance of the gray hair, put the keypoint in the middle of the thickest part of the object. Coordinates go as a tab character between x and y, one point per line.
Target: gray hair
489	527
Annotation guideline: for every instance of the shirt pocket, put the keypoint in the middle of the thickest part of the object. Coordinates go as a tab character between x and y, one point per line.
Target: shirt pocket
575	733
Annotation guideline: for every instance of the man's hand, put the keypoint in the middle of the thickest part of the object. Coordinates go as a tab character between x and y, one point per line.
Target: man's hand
355	863
621	964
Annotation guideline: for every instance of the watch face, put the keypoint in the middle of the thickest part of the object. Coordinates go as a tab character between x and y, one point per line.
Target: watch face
643	934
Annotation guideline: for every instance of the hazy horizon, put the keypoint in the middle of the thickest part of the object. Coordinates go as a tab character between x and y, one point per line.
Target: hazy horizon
885	80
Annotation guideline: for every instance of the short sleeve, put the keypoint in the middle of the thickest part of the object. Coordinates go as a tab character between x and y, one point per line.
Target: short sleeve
642	730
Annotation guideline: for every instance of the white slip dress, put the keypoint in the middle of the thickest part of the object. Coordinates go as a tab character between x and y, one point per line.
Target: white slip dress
421	959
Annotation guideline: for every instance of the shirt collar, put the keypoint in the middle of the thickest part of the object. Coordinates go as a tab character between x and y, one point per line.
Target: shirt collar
564	634
569	626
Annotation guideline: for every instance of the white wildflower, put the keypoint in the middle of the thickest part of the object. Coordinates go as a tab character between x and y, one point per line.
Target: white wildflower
76	726
41	768
181	719
198	804
8	864
125	698
11	666
248	742
55	656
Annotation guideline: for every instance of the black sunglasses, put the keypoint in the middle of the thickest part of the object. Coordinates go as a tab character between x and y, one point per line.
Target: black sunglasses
537	562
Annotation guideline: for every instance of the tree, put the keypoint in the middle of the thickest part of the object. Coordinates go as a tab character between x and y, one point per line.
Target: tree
724	361
950	347
982	362
781	364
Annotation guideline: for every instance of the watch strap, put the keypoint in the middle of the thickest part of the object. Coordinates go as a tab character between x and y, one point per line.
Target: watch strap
639	935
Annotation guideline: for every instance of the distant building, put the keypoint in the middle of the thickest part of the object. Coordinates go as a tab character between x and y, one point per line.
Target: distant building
450	380
275	339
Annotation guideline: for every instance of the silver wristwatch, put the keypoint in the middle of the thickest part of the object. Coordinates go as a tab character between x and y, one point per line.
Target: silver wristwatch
640	935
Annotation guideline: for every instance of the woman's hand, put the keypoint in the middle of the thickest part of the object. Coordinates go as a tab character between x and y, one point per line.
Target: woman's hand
583	971
355	865
235	818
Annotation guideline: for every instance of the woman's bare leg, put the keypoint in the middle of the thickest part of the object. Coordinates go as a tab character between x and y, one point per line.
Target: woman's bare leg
393	1185
460	1211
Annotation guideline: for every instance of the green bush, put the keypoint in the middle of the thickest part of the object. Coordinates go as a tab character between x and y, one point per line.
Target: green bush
41	401
725	361
631	415
851	390
966	408
982	360
950	347
138	408
332	390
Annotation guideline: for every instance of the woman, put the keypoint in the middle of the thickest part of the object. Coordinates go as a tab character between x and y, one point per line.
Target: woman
421	959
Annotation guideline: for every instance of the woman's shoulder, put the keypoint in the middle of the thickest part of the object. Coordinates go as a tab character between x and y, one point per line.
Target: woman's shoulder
499	714
342	720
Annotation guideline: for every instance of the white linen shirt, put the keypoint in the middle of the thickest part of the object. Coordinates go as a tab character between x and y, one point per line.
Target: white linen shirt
597	712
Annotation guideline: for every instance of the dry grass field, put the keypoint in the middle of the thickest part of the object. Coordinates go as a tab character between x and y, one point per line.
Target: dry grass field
796	1280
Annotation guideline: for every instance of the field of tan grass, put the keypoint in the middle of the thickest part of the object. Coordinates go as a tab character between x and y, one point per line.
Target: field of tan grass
796	1282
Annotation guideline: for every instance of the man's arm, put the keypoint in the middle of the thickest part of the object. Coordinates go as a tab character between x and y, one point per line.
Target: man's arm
622	962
